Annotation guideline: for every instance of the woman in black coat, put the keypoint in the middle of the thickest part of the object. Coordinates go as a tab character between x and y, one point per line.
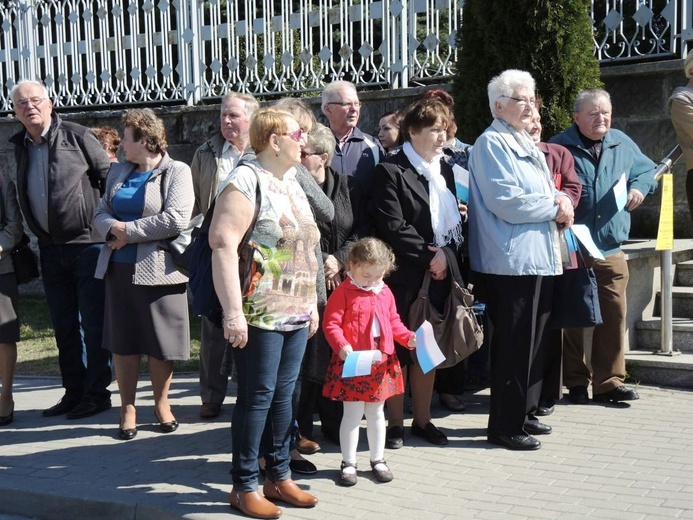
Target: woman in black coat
350	223
416	213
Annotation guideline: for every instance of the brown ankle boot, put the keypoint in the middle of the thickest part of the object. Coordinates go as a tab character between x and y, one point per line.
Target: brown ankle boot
253	504
289	492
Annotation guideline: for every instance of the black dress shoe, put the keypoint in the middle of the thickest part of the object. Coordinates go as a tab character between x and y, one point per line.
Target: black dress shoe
617	395
452	402
65	405
394	438
127	435
303	467
578	395
7	419
537	428
546	407
89	407
515	442
430	433
167	427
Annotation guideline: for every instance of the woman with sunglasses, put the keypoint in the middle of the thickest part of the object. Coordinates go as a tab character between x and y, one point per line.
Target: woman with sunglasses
269	325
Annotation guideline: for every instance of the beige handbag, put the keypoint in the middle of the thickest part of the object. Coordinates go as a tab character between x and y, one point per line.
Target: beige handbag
457	329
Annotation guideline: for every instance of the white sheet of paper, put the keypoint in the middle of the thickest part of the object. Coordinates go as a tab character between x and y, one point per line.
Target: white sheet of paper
427	350
585	237
621	192
360	362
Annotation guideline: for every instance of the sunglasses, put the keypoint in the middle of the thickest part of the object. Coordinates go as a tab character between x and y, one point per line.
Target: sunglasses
305	154
296	136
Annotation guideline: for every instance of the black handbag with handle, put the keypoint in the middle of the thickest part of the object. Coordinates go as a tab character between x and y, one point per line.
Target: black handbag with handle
204	297
24	259
457	330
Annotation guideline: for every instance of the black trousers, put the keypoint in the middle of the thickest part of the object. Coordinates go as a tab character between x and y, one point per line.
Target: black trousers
519	308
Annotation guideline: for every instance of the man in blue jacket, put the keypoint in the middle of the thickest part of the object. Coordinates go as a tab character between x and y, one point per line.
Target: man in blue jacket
61	172
603	157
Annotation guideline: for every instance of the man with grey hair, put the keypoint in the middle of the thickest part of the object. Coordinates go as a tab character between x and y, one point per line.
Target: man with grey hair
607	161
356	153
211	164
61	172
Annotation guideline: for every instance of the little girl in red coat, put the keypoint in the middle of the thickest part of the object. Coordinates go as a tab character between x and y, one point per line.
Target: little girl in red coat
361	315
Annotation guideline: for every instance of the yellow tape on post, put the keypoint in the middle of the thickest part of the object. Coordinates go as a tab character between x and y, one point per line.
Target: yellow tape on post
665	234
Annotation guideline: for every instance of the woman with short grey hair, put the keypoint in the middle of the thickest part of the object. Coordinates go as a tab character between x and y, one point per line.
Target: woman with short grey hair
514	248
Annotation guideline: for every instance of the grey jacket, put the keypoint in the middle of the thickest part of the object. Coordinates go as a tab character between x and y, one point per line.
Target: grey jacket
76	178
11	229
204	168
168	203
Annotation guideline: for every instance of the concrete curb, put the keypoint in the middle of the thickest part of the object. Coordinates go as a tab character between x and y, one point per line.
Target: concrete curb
43	506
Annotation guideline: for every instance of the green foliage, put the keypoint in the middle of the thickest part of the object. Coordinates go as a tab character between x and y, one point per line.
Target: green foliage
551	40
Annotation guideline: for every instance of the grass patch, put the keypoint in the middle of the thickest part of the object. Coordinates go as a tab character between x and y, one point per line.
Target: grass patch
37	353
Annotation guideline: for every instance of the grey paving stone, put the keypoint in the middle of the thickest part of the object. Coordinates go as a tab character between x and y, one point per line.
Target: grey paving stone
185	474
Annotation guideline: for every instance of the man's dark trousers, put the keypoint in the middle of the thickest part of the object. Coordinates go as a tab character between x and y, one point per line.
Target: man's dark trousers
76	304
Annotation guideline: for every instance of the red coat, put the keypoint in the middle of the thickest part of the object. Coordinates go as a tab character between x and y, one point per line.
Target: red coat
348	319
562	166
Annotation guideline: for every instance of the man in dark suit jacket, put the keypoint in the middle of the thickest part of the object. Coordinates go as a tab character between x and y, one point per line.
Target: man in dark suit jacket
61	171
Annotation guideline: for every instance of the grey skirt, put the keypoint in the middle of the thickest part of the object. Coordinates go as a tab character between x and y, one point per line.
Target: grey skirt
9	300
146	320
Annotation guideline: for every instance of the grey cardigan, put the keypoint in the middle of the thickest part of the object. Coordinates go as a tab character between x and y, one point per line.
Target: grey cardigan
161	219
11	228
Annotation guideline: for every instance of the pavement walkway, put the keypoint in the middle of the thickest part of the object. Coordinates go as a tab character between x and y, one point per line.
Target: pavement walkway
601	462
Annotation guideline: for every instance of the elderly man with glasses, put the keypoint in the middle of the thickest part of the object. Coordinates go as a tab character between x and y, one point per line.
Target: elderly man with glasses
356	153
61	172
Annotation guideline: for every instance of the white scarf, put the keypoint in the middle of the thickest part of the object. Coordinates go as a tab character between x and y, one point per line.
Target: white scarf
445	214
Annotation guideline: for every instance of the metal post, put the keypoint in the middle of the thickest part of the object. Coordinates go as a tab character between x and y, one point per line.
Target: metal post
667	348
667	343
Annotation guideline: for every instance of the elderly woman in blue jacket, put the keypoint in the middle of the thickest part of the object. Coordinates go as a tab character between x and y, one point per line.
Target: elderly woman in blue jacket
514	245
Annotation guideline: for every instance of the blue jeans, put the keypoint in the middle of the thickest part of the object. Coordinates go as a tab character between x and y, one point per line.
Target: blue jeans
76	305
267	368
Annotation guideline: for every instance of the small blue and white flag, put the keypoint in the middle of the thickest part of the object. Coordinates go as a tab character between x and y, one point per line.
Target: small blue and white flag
427	350
461	183
360	362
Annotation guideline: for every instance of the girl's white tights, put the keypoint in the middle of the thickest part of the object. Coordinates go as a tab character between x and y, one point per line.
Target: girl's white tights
375	428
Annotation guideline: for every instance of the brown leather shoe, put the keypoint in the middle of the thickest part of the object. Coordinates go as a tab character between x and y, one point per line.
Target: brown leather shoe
210	410
253	504
306	446
289	492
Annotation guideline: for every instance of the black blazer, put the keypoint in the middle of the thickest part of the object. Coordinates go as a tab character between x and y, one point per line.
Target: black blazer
402	215
351	219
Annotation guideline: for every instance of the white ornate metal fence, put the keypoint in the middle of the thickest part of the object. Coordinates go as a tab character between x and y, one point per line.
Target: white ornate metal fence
113	52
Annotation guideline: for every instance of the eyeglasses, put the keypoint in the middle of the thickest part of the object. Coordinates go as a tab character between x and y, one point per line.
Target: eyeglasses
305	154
346	104
525	102
295	135
34	101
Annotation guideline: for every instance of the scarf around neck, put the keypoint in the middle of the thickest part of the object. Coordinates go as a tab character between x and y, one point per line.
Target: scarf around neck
445	215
